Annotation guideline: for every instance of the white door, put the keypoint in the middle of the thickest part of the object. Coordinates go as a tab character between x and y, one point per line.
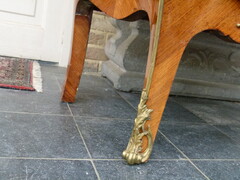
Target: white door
37	29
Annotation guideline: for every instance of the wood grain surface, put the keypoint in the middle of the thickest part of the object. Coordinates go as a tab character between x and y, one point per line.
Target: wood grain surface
79	48
181	21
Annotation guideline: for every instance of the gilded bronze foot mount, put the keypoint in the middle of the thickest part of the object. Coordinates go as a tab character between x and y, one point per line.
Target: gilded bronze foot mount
134	153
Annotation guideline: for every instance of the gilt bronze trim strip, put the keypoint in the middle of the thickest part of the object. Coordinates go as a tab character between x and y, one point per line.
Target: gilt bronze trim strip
134	154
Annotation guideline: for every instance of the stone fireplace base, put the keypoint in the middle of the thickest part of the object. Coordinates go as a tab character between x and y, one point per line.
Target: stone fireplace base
210	67
122	79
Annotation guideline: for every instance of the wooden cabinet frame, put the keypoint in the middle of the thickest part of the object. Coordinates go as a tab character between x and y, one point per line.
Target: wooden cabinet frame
172	23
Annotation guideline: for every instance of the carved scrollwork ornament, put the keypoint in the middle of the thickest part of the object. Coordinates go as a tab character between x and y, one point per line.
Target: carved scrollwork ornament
133	154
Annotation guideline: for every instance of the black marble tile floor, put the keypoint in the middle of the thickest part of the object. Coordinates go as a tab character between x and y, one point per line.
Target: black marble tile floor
43	138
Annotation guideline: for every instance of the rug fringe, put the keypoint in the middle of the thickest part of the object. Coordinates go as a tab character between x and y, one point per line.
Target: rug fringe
37	77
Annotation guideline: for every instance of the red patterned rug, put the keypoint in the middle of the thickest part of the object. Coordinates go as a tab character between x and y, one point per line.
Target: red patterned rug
22	74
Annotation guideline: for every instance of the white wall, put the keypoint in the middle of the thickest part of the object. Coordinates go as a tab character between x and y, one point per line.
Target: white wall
37	29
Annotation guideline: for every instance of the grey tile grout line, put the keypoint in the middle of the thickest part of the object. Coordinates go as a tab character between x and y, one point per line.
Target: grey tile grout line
29	113
210	124
108	81
80	159
126	101
107	118
116	95
165	120
50	159
169	139
80	133
92	94
122	160
197	123
215	159
181	123
192	113
118	159
224	133
92	73
136	110
120	97
116	91
168	121
58	83
62	115
189	160
161	133
89	154
188	110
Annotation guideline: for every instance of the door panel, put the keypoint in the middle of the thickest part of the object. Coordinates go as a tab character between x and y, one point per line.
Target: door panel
23	7
36	29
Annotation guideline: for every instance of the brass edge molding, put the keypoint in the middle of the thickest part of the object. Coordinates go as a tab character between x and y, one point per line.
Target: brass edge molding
134	153
155	45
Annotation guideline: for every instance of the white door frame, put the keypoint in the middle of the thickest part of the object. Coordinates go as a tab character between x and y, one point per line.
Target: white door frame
68	29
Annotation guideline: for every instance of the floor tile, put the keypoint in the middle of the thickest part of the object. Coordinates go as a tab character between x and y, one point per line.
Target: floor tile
32	102
220	170
46	169
175	113
201	141
50	83
102	106
233	131
50	75
132	98
172	113
212	111
52	68
105	119
93	85
164	170
96	85
40	136
107	138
